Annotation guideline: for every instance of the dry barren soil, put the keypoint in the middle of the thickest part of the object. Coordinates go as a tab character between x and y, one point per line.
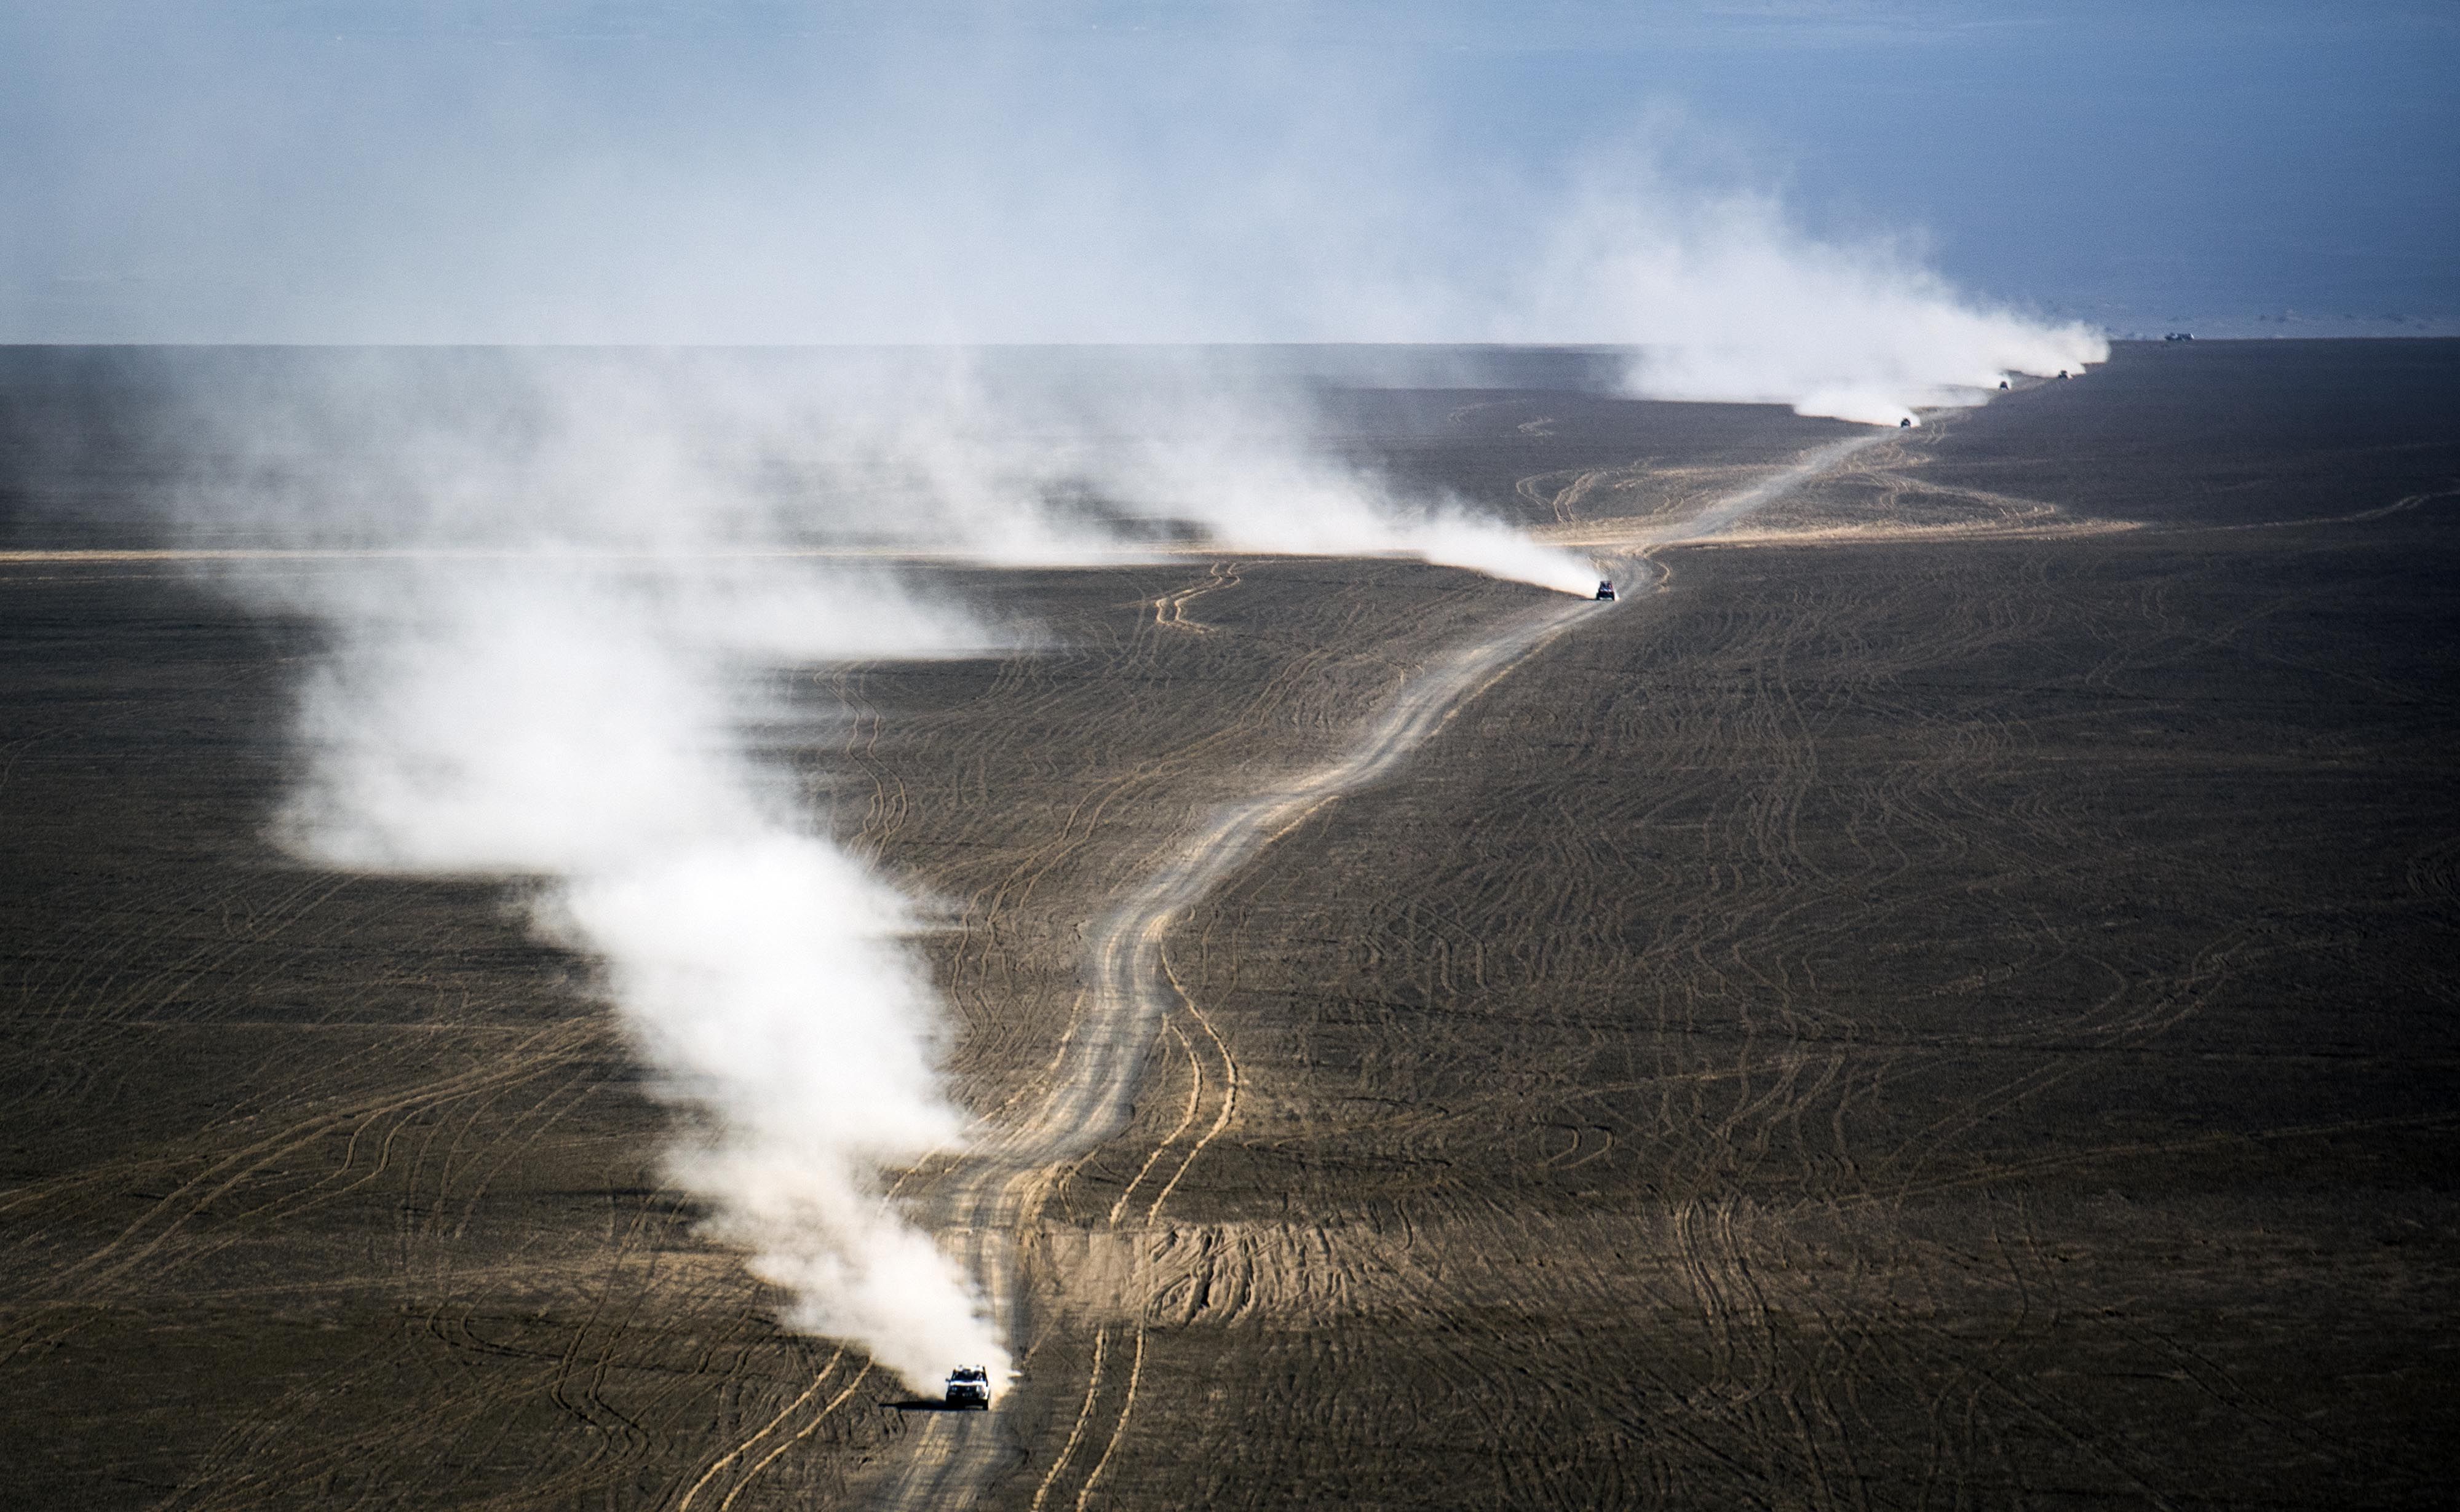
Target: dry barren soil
1947	1001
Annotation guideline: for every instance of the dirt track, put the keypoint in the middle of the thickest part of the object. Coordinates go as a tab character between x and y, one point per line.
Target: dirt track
995	1197
1961	1017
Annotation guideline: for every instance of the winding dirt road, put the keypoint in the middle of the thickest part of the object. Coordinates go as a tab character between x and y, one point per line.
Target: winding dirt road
981	1207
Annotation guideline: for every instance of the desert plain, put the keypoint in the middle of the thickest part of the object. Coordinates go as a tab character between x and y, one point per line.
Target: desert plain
1942	995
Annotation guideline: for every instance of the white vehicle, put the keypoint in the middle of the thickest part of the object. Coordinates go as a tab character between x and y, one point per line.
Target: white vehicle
970	1386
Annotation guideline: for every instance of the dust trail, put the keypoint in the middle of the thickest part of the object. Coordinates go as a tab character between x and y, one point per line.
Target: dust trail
1726	296
552	623
556	592
581	731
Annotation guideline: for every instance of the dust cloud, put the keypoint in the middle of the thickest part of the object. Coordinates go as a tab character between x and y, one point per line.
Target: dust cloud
550	632
1721	296
1057	457
581	727
557	590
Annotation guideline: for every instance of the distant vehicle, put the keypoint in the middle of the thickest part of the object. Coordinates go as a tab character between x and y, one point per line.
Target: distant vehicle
2002	382
2178	336
1904	423
2062	372
970	1386
1606	590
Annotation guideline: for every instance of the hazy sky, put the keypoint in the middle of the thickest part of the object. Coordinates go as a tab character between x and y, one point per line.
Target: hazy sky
312	170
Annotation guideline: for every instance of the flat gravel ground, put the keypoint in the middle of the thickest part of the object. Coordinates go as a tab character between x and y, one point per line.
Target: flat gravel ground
1947	1002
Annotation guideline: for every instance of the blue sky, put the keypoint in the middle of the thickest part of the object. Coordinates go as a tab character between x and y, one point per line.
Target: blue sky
301	170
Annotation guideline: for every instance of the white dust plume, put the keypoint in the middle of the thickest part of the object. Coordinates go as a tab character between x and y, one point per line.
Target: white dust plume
1106	459
542	666
556	589
1253	494
1726	298
1186	446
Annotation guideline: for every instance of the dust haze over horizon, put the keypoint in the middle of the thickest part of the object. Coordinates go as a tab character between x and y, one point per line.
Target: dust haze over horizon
1101	171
